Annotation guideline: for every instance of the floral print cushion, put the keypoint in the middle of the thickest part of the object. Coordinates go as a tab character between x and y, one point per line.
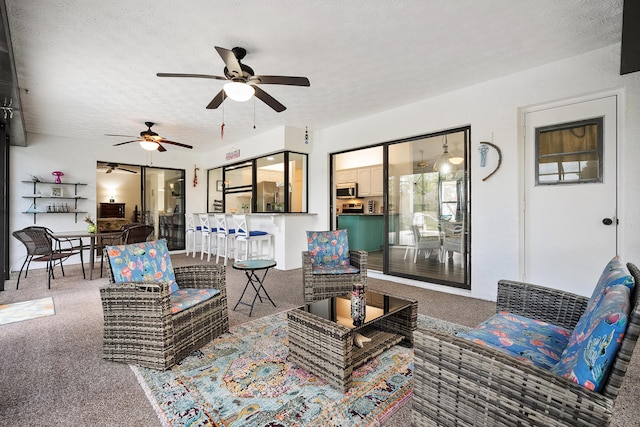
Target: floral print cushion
142	262
590	352
614	273
529	340
328	249
184	298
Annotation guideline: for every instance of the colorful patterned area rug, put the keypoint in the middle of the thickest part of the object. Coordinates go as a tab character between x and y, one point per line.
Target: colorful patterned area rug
243	379
25	310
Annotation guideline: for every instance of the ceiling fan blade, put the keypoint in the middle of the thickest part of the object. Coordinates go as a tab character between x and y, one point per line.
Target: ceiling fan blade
280	80
216	101
161	148
269	100
230	60
122	136
179	144
126	170
197	76
126	142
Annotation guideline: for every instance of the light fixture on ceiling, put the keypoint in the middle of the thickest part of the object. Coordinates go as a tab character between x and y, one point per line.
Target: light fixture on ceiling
422	164
149	145
444	164
239	91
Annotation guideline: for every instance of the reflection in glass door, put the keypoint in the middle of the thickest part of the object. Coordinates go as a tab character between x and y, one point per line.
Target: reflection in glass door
427	209
163	191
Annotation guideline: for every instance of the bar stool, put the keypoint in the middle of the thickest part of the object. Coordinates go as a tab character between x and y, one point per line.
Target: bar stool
224	239
249	237
192	232
207	232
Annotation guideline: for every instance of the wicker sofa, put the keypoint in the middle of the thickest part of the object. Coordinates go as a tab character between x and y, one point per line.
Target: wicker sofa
145	321
320	282
458	382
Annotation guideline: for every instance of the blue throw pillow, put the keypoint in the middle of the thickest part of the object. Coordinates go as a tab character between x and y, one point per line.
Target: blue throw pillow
329	248
142	262
590	352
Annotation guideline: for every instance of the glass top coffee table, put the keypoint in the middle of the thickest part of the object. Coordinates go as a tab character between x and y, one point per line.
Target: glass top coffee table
321	334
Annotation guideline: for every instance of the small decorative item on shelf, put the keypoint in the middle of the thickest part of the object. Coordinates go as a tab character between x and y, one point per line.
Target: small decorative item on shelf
57	174
358	304
91	228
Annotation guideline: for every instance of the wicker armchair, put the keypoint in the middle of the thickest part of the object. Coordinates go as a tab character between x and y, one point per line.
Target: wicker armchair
458	382
320	286
139	327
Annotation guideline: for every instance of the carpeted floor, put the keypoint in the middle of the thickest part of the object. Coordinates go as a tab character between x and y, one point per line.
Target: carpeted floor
52	372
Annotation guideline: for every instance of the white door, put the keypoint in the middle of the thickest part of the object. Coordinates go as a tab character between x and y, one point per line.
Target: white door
570	229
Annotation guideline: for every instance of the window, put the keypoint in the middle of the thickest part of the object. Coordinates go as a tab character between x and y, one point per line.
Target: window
569	153
271	183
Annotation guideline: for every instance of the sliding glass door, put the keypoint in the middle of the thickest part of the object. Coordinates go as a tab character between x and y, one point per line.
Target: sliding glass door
163	191
421	204
427	212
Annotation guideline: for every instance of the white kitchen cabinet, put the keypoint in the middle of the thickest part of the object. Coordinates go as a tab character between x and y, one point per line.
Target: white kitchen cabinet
377	181
346	175
364	182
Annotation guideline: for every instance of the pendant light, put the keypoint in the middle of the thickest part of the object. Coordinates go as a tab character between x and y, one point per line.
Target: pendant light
443	164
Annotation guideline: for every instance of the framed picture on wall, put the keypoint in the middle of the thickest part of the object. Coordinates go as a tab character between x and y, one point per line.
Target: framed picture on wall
56	192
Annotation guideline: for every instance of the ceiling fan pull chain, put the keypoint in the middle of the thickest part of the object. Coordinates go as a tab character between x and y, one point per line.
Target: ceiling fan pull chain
222	125
254	112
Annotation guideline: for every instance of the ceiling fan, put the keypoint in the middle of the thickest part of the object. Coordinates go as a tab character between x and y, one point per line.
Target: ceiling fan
149	140
115	166
242	81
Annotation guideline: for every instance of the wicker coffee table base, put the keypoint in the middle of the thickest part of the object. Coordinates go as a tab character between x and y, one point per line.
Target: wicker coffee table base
326	348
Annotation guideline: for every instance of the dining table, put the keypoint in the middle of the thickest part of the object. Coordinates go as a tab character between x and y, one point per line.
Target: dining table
92	242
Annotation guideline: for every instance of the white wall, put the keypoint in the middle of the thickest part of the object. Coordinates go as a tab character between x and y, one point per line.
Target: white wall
77	159
492	108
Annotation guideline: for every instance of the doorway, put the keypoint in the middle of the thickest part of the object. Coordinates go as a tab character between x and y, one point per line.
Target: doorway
570	224
422	201
128	193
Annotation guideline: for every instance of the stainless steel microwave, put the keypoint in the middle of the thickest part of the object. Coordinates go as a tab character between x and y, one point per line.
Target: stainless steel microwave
347	190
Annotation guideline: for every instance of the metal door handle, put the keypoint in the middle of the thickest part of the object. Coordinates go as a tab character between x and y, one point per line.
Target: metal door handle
607	221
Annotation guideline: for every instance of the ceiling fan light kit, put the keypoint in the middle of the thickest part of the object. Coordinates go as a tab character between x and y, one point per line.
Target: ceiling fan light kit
239	91
149	145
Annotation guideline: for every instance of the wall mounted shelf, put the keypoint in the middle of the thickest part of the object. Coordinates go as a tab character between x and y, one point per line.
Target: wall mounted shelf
56	192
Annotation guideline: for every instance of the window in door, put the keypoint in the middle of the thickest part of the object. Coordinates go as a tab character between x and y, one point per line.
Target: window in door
569	153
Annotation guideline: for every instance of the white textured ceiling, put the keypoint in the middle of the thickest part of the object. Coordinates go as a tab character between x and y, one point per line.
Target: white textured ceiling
88	67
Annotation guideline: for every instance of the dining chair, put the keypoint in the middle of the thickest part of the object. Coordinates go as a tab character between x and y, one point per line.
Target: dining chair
224	237
246	236
452	240
42	246
426	243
